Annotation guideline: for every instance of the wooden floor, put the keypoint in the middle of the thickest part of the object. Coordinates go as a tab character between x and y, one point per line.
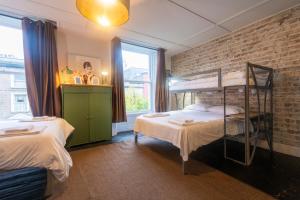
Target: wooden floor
149	170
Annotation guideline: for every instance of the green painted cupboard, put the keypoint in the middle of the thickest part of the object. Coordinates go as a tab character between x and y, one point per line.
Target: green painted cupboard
89	110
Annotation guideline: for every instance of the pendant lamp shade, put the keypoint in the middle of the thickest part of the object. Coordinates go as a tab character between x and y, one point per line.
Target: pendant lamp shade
105	12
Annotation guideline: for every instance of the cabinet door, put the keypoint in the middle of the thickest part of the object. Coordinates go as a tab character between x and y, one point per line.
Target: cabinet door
100	116
76	112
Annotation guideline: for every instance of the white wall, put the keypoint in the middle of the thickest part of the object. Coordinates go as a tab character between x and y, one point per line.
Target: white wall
72	43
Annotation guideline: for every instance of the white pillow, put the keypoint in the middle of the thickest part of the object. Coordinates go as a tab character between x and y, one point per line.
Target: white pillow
230	110
197	107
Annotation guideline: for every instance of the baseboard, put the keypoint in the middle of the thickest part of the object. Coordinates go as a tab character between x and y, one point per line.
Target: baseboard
282	148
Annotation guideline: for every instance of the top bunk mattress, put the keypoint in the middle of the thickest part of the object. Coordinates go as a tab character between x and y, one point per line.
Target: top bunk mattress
240	78
203	83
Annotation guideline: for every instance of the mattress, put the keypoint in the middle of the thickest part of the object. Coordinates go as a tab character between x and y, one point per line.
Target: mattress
211	82
43	150
209	127
240	78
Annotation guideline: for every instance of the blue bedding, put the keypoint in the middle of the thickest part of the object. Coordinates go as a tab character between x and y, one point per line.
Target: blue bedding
22	184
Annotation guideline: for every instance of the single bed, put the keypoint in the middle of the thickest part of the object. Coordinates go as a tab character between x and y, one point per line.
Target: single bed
206	127
45	149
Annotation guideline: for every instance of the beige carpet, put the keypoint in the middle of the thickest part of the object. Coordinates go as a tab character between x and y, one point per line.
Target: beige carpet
150	170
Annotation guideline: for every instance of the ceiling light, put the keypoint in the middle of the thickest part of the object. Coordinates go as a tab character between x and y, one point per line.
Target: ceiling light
108	2
111	12
103	21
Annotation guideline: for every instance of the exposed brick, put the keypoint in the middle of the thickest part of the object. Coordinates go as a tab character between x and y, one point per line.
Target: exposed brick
273	42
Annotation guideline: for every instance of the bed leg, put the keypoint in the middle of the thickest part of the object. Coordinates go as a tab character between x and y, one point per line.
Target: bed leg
184	172
135	137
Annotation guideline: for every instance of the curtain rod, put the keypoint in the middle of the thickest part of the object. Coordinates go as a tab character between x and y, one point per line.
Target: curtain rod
10	16
139	45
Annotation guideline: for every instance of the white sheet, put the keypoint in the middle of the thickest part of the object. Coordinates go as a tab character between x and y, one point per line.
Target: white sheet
45	149
209	127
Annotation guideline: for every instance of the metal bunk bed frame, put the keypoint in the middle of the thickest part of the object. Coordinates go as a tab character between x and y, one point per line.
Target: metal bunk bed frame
262	121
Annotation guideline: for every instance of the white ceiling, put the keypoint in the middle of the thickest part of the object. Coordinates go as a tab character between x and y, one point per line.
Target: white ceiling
175	25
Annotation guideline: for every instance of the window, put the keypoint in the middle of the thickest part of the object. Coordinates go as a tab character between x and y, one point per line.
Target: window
19	103
139	65
18	80
13	94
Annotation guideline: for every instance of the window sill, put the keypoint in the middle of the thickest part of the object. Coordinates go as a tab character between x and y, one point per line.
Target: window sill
138	113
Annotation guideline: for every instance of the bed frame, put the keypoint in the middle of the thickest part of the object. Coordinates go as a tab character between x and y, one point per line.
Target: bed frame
214	72
262	121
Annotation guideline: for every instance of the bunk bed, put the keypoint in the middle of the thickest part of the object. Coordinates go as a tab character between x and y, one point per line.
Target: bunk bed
240	125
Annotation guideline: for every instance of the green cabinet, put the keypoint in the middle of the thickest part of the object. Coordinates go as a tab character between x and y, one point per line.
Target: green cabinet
88	109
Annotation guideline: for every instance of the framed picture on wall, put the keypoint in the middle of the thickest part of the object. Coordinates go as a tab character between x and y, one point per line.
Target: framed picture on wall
85	64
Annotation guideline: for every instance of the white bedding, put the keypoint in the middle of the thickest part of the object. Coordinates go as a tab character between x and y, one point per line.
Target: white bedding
210	82
209	128
45	149
240	78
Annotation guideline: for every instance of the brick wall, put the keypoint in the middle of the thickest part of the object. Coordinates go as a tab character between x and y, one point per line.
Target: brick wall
273	42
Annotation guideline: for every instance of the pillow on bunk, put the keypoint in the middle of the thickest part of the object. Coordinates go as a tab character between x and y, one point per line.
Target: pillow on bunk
197	107
230	110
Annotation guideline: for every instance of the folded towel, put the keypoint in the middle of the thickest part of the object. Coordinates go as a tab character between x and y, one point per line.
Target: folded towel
185	122
19	131
153	115
38	119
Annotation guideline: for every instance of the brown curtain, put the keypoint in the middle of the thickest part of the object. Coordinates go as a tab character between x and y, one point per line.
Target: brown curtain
161	85
41	68
118	94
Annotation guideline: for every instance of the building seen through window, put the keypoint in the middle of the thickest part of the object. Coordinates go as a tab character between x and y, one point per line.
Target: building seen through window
13	94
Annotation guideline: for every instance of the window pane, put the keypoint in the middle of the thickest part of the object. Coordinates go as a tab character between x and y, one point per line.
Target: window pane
20	77
139	75
20	103
18	80
137	96
135	66
13	94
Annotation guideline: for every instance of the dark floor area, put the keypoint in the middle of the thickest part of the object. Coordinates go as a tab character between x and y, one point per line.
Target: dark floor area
277	174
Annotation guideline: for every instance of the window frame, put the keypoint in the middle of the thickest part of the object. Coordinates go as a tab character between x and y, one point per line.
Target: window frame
12	100
152	73
13	81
